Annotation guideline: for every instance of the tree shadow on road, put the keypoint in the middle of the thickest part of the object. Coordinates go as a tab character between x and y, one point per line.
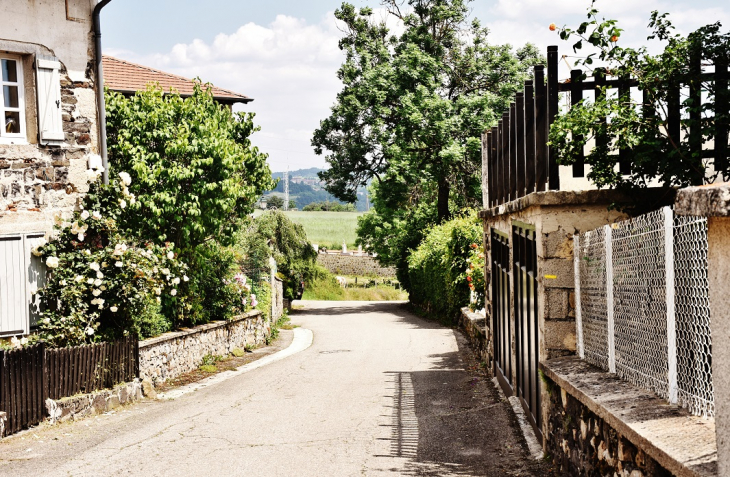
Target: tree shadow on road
451	420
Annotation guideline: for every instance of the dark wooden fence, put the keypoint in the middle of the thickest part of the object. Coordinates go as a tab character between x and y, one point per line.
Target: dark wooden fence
31	375
518	160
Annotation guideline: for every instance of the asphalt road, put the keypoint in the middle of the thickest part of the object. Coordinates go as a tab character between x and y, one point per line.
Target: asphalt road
379	392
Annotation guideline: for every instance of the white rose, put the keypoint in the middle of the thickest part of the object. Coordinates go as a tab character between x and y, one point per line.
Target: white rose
173	292
47	321
87	252
132	199
118	264
89	331
95	301
80	237
36	251
79	279
94	266
63	283
176	281
113	309
90	281
85	215
96	214
99	275
23	341
159	300
102	288
97	282
185	278
158	291
96	292
52	262
122	203
125	178
165	271
170	255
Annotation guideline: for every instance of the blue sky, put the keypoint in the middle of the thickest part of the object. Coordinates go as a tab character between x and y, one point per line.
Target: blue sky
284	53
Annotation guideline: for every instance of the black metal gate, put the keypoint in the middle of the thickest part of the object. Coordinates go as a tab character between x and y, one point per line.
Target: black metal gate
501	329
526	329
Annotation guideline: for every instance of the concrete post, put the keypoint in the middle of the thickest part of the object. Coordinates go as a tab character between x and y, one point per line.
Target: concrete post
713	202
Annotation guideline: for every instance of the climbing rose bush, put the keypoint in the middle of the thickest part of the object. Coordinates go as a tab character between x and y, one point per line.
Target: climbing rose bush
100	285
475	276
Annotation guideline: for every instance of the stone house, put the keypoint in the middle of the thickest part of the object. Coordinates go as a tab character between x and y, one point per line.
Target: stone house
50	128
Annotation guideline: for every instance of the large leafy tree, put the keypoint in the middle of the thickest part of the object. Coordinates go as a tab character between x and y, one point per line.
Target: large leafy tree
410	115
194	171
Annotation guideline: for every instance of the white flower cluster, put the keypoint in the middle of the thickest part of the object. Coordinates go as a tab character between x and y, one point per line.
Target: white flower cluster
126	181
18	343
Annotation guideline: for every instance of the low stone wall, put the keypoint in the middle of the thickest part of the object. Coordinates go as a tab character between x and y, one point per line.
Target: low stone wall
78	407
362	265
172	354
599	425
474	325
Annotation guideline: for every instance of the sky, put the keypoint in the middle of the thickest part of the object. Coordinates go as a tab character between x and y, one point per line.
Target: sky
284	54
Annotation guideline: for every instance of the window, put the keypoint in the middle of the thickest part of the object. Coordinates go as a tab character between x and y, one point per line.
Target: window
12	100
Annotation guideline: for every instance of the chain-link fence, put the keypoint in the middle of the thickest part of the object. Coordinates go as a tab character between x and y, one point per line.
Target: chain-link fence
642	305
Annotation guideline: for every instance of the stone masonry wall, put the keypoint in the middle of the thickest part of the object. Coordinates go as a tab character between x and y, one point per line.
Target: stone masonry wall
353	265
474	325
582	444
38	182
173	354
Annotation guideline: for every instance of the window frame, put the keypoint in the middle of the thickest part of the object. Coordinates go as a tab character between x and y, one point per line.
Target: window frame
21	137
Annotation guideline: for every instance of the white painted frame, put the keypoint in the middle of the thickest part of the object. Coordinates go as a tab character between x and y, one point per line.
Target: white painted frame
5	137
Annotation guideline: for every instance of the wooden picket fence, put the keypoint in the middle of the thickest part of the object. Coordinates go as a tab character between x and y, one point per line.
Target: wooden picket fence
33	374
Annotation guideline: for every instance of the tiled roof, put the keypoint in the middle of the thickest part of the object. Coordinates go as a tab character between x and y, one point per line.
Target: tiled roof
126	77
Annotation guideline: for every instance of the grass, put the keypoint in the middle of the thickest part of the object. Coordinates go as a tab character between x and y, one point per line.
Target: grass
328	289
326	229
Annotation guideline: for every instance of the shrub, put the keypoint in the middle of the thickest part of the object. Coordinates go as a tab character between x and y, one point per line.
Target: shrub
437	269
100	284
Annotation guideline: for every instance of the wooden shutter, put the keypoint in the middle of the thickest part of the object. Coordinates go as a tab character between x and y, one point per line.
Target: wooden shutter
48	85
36	277
13	297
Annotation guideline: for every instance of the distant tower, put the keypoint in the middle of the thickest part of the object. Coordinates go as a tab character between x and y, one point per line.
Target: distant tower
286	189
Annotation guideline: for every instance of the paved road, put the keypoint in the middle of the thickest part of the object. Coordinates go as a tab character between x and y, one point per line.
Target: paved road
379	392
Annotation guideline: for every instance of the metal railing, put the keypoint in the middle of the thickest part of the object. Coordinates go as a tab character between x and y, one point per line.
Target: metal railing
642	305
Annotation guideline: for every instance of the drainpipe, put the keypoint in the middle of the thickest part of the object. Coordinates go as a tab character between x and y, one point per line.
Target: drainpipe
100	104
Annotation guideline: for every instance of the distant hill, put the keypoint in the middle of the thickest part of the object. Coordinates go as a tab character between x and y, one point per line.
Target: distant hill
309	173
303	194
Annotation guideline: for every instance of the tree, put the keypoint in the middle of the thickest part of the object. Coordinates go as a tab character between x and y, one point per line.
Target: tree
411	113
642	128
275	202
194	171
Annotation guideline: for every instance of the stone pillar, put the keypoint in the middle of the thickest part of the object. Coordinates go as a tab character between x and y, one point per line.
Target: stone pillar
713	202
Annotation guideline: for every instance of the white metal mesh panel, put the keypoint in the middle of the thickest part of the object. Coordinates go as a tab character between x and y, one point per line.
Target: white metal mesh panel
694	364
642	321
640	306
592	268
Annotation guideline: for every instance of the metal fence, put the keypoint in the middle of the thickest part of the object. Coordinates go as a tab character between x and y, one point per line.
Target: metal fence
642	305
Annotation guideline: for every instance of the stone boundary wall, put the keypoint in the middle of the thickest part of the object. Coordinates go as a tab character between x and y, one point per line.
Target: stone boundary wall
597	425
474	325
172	354
362	265
98	402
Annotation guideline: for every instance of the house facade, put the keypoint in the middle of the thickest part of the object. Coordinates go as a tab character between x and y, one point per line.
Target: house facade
48	132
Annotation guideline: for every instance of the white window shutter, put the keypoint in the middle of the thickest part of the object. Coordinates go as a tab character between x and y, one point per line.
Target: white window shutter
13	297
36	277
50	121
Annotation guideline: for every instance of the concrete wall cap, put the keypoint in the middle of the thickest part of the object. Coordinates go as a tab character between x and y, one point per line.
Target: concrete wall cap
712	200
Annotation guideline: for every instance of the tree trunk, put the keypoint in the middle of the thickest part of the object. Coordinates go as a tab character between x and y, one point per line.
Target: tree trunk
443	200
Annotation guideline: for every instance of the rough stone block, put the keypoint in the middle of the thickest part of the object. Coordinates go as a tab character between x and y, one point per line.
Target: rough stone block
560	335
557	273
556	303
4	164
558	244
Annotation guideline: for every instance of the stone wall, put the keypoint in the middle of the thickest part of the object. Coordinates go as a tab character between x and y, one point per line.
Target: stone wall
98	402
361	265
38	181
175	353
474	325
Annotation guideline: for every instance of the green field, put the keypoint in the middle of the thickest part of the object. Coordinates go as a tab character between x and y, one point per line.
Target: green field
328	229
